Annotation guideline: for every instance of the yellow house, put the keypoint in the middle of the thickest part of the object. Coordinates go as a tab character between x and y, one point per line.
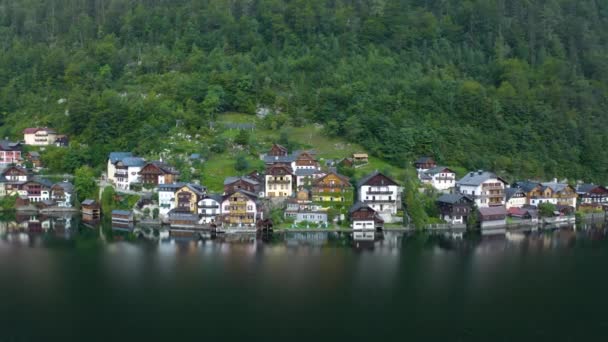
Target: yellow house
187	197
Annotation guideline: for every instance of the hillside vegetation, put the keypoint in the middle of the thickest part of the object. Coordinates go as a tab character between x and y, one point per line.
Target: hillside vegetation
516	86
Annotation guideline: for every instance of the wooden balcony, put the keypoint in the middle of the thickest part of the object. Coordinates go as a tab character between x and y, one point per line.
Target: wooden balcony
380	192
285	181
379	201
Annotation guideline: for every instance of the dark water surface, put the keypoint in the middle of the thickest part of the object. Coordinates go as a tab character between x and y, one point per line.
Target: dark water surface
547	286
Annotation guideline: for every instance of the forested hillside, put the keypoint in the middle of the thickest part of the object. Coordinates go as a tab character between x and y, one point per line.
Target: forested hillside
517	86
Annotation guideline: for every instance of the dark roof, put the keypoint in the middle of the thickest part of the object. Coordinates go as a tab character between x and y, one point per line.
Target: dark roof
230	180
438	169
510	192
307	172
133	161
216	197
249	194
585	188
424	160
117	156
164	167
359	205
88	202
526	186
452	198
36	129
279	159
197	189
6	145
490	211
121	212
66	186
170	186
367	178
478	177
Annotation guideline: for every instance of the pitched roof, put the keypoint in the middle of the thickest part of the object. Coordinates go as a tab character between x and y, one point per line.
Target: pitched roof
6	145
424	160
438	169
117	156
526	186
216	197
121	212
367	178
66	186
249	194
307	172
133	161
478	177
279	169
170	186
510	192
197	189
360	155
279	159
341	177
33	130
231	180
88	202
490	211
359	205
165	168
452	198
585	188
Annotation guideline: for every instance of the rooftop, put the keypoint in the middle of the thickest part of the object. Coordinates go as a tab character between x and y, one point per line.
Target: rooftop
478	177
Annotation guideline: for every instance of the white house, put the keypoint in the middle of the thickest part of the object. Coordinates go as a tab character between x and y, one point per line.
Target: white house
241	209
485	188
307	176
364	221
62	194
440	177
210	209
114	158
515	198
126	171
166	197
381	193
39	136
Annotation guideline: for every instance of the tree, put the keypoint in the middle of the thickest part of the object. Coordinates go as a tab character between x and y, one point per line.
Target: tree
84	183
155	213
241	163
107	199
242	138
546	209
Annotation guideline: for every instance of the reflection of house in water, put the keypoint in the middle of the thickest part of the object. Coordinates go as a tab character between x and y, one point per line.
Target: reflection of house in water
312	238
62	225
33	223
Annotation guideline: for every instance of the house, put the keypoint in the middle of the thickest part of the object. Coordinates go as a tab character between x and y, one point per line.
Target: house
515	198
360	158
125	171
523	214
305	211
114	158
15	174
39	136
188	196
346	162
279	181
454	208
182	218
364	218
425	163
209	209
34	158
278	151
247	183
591	195
305	161
332	188
36	190
495	216
62	194
563	193
381	193
10	153
90	210
485	188
157	172
122	216
440	177
62	141
166	197
306	177
241	209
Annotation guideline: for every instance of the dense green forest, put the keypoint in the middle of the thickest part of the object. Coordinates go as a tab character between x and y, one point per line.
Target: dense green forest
517	86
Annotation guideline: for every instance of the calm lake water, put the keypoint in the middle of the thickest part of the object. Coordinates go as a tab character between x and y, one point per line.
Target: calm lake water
61	279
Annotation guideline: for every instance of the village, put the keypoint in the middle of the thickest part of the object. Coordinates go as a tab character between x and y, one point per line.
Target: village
308	194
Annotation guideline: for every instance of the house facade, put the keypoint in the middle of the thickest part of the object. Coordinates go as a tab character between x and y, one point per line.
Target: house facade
491	217
425	163
591	195
279	181
15	174
305	161
240	209
305	211
278	151
39	136
306	177
440	178
62	194
364	218
247	183
157	172
127	172
10	153
515	198
332	188
210	209
187	198
36	190
485	188
564	194
454	208
166	197
380	193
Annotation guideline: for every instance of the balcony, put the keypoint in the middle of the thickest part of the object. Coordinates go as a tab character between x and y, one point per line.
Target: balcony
492	187
380	192
209	206
279	181
379	201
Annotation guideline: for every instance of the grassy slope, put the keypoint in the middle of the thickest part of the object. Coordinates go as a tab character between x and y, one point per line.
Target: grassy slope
309	137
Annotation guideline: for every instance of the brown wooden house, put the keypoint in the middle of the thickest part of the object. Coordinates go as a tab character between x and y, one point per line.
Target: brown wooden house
332	187
90	209
234	184
454	208
306	160
425	163
156	172
278	151
363	217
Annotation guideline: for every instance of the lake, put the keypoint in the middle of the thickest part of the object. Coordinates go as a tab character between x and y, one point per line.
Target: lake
62	279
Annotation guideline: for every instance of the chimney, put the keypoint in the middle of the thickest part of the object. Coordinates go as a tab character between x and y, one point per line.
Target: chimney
480	171
472	173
